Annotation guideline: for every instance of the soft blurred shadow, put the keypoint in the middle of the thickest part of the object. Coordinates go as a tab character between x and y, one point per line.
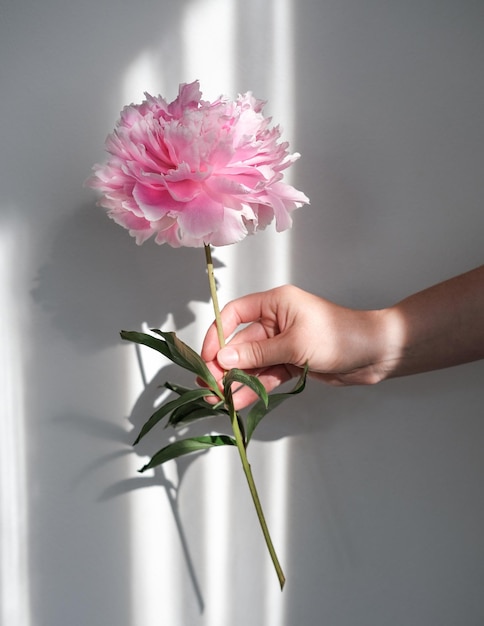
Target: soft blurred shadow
98	281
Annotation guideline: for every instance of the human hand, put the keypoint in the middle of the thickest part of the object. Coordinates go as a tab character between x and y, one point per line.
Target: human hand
287	328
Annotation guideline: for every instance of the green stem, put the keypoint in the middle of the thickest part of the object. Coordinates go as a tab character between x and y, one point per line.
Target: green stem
213	293
241	444
253	492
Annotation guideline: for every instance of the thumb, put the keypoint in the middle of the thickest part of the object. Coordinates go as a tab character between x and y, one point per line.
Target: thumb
253	355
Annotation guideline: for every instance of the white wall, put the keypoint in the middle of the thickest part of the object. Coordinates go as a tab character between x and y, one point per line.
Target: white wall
374	494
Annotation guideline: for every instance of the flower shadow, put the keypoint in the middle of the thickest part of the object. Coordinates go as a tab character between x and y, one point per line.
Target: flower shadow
98	281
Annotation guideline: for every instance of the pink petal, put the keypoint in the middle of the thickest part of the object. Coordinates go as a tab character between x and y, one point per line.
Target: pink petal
231	230
183	190
194	172
289	193
189	95
224	185
201	216
265	215
281	213
155	203
138	227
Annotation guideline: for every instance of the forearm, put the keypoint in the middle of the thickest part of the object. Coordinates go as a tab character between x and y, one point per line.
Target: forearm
439	327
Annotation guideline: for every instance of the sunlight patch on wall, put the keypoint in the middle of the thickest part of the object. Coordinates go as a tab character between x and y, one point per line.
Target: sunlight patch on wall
282	85
277	480
209	38
155	559
208	34
283	110
281	107
150	508
14	590
141	76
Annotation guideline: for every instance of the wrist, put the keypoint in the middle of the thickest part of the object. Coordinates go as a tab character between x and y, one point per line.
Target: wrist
389	342
370	347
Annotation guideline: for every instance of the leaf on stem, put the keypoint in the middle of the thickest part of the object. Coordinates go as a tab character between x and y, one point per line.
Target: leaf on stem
195	410
192	413
190	396
260	409
176	351
146	340
183	355
187	446
179	389
239	376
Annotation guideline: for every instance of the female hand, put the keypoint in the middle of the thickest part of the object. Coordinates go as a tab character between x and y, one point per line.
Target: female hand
287	328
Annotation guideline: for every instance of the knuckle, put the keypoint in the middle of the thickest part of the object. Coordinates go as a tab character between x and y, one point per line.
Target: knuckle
286	292
257	356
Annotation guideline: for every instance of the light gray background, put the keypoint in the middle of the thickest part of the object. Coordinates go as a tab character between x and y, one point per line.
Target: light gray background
382	514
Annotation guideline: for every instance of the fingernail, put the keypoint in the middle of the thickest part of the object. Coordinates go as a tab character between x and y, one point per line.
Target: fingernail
211	400
228	357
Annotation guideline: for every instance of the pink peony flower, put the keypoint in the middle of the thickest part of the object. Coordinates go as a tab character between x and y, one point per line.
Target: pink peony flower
194	173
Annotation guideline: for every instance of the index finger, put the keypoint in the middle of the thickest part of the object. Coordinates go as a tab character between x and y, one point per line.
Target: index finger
239	311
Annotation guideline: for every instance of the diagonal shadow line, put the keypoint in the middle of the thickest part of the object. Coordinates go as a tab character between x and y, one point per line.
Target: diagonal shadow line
160	480
106	430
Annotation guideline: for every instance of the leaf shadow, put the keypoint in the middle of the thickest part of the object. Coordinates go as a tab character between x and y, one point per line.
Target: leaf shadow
102	429
96	282
156	439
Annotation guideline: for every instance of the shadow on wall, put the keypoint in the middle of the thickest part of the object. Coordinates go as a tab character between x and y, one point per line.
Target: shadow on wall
98	281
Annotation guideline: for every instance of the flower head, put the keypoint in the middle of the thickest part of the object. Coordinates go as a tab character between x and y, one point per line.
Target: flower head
193	172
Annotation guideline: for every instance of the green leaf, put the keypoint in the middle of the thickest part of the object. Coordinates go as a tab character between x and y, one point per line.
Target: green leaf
193	412
260	410
178	352
239	376
187	446
146	340
242	429
185	356
179	389
187	397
